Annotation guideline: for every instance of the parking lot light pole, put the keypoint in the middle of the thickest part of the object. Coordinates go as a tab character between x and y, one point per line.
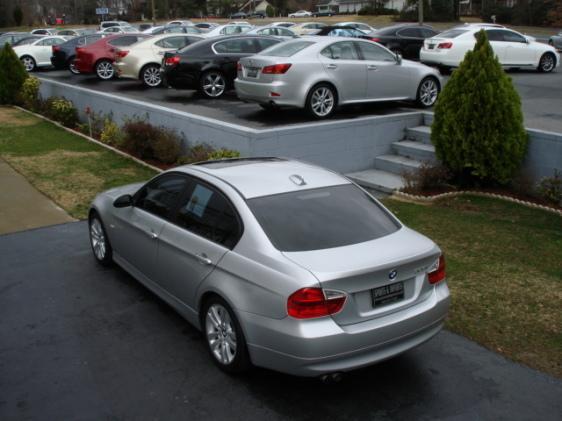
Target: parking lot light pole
420	11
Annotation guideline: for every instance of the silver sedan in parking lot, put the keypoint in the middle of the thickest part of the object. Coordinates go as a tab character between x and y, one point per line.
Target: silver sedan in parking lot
321	73
280	263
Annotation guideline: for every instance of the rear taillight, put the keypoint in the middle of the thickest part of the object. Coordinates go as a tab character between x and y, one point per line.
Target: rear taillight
437	272
276	69
238	67
172	61
55	48
445	45
309	303
121	53
375	39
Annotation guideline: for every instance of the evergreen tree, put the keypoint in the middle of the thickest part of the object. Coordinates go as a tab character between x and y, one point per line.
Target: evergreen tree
478	129
18	15
12	75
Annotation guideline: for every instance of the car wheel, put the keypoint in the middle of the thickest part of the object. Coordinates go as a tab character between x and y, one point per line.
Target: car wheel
213	84
428	91
29	63
72	67
105	70
224	337
547	63
150	76
99	241
321	101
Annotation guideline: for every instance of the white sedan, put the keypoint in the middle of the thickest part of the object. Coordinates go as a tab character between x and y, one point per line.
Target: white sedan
300	14
38	52
513	49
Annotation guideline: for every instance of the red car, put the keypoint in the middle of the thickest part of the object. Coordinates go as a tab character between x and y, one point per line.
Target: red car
99	56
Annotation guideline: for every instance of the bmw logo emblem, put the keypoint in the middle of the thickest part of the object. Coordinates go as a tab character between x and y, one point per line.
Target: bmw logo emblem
392	274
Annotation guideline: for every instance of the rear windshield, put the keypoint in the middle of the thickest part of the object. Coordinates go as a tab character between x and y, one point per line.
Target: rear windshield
453	33
286	49
321	218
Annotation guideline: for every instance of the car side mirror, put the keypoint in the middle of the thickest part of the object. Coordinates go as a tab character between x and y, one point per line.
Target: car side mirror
123	201
398	58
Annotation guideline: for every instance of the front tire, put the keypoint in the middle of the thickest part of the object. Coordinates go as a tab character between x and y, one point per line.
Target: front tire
224	337
105	70
28	63
212	84
428	91
321	101
150	76
103	253
547	63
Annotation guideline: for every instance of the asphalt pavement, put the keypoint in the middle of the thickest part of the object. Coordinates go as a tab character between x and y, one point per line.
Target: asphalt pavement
83	342
541	96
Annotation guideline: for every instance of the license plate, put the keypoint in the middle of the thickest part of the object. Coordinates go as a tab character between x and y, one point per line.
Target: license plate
387	294
252	71
430	46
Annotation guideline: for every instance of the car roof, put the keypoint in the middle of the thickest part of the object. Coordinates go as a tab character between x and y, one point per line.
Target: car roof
265	176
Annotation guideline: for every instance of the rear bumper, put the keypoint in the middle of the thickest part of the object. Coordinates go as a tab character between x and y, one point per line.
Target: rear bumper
435	58
58	62
277	92
125	71
315	347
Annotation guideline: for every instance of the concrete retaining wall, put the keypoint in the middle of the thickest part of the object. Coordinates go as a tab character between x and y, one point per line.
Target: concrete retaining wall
342	145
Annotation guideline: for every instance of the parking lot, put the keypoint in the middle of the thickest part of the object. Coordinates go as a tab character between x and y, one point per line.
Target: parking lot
541	96
79	341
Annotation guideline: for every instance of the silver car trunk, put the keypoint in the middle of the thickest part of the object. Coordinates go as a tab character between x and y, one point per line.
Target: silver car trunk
402	257
252	68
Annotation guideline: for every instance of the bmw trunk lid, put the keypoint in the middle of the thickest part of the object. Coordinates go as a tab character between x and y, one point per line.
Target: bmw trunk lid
380	276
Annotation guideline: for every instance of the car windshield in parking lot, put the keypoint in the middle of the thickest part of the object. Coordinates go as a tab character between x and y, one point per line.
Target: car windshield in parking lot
453	33
321	218
286	49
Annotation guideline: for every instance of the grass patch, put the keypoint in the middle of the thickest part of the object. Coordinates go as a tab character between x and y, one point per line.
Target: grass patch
504	269
65	167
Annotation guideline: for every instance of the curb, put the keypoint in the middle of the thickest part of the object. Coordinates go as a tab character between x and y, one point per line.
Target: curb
90	139
476	193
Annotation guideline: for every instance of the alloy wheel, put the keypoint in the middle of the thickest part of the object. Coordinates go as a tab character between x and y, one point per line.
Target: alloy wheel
214	84
221	334
428	92
151	76
72	68
105	70
97	238
322	101
547	63
28	63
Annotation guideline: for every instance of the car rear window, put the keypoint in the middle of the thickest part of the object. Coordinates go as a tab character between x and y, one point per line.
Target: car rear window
453	33
321	218
286	49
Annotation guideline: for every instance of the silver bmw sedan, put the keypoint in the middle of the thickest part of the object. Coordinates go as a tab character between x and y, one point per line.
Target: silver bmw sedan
320	73
279	263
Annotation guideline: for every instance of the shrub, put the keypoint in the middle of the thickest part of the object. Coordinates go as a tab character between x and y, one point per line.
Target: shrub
12	75
150	142
111	133
223	154
196	153
426	178
29	93
376	10
478	128
550	188
62	110
166	147
269	11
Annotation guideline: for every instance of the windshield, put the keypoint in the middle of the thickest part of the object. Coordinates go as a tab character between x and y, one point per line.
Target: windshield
321	218
286	49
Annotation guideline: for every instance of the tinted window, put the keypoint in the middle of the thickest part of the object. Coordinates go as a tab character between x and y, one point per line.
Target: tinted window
25	41
207	213
509	36
92	38
160	195
125	40
173	42
427	33
341	51
321	218
286	49
453	33
231	30
410	33
235	46
266	43
493	35
371	51
341	32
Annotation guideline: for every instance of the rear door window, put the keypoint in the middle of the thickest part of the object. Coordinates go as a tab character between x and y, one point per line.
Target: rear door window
264	43
410	33
344	50
374	52
235	46
173	42
124	40
494	35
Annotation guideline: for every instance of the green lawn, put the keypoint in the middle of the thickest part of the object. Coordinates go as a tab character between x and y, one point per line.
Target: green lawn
65	167
504	269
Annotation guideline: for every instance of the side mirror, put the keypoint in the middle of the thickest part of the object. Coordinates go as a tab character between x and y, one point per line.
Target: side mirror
123	201
398	58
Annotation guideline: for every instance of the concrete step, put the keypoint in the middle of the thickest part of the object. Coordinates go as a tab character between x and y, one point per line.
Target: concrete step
415	150
396	164
376	179
420	134
428	119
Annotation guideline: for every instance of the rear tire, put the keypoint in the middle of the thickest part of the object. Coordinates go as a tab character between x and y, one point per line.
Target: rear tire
547	63
212	84
224	338
28	63
322	101
428	91
71	67
105	70
150	76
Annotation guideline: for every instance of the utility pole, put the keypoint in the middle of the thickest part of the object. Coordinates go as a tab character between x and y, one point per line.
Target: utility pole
153	14
420	12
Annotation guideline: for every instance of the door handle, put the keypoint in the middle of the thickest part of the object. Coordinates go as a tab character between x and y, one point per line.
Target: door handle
332	66
371	67
152	235
203	259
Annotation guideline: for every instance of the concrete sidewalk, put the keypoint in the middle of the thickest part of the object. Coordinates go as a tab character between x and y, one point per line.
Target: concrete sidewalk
22	206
